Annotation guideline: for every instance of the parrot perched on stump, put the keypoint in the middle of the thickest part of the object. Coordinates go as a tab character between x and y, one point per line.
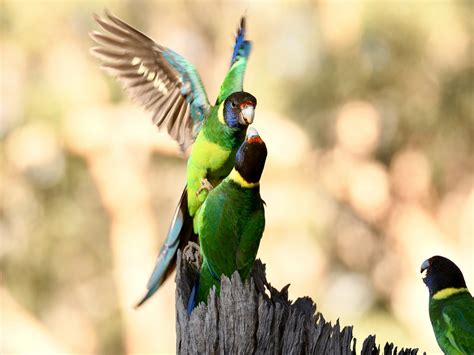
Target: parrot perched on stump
451	306
170	87
231	221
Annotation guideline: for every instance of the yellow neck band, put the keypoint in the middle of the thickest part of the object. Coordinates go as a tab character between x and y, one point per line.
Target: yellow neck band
236	177
445	293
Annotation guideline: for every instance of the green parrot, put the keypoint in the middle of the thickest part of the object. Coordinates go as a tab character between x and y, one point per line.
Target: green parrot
451	306
231	221
170	87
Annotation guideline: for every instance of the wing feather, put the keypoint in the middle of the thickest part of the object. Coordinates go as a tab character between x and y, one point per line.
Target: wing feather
160	79
459	318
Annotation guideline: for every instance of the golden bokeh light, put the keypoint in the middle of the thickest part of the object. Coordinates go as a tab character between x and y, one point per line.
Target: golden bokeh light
357	128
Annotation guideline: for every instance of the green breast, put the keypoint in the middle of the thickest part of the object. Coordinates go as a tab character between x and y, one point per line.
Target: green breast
212	157
230	227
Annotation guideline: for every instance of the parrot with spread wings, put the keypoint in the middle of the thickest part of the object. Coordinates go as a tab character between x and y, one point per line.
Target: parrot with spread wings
170	88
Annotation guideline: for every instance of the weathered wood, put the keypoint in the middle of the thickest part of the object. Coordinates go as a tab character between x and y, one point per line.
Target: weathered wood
255	318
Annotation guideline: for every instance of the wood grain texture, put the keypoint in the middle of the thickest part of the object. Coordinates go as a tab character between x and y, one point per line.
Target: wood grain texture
255	318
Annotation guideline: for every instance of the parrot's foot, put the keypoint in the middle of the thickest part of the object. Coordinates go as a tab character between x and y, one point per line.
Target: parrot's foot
205	185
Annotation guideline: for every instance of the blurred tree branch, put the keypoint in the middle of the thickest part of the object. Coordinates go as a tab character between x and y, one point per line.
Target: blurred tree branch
121	178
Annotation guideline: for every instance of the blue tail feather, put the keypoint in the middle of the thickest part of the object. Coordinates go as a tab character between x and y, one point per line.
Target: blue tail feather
180	233
193	296
241	46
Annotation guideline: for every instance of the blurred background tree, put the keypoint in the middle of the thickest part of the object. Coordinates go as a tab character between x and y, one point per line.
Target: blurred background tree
367	109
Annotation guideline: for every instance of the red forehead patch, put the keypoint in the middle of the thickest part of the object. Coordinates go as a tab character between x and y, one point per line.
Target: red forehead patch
255	139
246	103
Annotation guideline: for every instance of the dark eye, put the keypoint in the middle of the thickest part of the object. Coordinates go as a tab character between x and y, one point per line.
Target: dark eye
233	104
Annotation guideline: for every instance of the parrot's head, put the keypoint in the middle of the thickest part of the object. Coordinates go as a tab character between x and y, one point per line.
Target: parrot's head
239	109
440	274
251	156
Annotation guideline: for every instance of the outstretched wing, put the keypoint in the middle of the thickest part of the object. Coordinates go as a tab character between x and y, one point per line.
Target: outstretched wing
160	79
234	80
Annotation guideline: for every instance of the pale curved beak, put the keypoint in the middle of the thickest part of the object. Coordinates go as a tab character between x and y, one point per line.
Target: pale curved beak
252	132
425	265
247	114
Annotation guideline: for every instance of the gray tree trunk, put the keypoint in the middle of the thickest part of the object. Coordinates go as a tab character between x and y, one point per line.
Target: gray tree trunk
255	318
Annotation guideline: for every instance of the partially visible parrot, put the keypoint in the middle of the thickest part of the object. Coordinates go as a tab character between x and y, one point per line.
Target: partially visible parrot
451	306
231	221
170	87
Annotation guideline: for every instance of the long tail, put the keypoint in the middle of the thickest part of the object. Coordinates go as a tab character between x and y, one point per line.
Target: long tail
179	234
242	46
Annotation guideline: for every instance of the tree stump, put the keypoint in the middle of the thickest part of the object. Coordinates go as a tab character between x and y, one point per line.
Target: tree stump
255	318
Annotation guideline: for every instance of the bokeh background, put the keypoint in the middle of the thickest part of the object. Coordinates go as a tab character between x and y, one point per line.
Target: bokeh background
367	110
